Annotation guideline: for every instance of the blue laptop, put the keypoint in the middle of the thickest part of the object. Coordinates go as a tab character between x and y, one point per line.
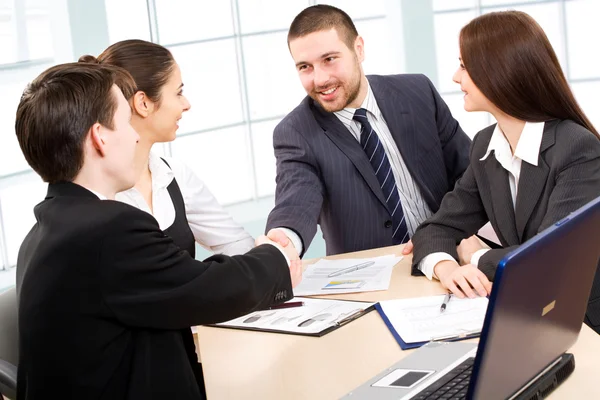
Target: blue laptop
537	305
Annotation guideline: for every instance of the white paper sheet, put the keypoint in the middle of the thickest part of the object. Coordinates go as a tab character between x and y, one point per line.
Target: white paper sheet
316	279
314	316
420	320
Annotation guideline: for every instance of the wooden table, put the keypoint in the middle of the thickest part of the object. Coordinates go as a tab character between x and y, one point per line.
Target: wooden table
256	365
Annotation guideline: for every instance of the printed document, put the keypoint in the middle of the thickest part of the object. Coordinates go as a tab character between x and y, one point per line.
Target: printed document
419	319
347	276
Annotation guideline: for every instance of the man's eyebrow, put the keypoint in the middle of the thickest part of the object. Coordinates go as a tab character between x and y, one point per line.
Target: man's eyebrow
325	55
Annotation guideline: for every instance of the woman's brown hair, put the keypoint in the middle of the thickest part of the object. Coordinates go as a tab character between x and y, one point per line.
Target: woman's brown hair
510	59
149	63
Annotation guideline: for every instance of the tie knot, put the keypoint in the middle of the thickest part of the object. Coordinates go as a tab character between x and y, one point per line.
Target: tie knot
360	115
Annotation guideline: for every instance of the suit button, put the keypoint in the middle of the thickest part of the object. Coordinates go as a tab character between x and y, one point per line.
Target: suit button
388	224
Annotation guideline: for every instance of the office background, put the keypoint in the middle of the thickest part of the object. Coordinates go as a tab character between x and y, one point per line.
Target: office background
240	78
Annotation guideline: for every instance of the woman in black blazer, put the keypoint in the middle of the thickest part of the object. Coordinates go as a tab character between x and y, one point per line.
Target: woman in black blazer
540	162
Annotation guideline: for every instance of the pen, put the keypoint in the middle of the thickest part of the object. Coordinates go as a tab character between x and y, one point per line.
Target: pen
351	269
289	304
350	317
445	302
464	335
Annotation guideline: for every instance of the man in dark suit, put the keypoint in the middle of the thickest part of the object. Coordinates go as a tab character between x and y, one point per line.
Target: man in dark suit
367	158
104	295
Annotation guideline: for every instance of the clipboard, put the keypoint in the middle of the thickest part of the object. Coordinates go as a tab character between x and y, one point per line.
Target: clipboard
455	335
308	320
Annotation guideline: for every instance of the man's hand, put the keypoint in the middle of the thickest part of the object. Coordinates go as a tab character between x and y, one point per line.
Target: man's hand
408	248
296	272
467	248
277	237
465	280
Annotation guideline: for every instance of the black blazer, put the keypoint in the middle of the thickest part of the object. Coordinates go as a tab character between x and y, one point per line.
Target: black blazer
103	294
324	176
566	178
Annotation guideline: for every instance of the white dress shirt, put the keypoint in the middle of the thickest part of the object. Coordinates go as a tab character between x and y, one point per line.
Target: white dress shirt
212	226
528	150
413	205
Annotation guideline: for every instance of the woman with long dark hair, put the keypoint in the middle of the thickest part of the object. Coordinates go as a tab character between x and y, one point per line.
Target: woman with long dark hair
537	164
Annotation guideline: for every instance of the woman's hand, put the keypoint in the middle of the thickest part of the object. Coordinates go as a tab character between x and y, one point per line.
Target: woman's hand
466	280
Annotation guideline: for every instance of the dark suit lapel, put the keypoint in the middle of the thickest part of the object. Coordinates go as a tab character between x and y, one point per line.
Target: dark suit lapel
532	181
499	193
337	132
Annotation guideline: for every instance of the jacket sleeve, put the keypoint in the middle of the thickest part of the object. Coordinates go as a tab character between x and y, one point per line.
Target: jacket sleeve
299	193
461	214
455	143
149	282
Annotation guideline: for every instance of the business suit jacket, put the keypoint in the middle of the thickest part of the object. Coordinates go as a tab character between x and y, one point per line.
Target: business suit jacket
566	178
104	294
324	176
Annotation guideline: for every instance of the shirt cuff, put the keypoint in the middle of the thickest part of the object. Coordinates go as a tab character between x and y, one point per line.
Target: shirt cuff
287	259
429	262
477	255
293	236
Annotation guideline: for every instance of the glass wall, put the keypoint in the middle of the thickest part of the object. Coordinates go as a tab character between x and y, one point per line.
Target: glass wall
238	74
240	78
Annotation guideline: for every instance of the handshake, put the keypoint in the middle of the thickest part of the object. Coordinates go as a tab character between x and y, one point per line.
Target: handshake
278	238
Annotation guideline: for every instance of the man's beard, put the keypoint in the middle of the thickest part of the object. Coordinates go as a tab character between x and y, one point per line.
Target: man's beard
351	91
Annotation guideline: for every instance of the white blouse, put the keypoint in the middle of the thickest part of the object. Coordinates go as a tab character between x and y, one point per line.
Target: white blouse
212	226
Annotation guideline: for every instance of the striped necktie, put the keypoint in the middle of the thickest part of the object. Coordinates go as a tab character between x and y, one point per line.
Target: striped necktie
374	150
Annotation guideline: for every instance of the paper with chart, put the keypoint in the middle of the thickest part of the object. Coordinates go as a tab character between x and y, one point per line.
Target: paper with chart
347	276
315	316
420	320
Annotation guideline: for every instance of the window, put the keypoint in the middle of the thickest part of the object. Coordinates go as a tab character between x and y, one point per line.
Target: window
274	88
25	31
27	37
17	203
209	71
182	21
264	157
221	159
127	20
581	28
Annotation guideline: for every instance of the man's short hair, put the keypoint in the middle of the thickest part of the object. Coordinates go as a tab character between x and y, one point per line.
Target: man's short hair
58	109
323	17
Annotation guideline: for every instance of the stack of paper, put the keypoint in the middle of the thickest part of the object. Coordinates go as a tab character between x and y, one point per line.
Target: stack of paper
416	321
347	276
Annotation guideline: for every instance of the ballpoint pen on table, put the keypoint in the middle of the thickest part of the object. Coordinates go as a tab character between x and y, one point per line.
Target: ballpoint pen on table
351	269
289	304
457	336
445	302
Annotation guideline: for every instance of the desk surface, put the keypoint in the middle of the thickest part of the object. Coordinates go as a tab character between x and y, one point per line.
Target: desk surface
258	365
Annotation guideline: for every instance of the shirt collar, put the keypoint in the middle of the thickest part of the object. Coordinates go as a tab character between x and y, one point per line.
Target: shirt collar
162	174
528	146
369	103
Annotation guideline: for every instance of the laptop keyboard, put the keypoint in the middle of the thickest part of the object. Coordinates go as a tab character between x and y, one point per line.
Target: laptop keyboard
451	386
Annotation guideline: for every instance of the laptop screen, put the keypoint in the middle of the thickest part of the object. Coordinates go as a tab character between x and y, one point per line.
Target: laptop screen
537	304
